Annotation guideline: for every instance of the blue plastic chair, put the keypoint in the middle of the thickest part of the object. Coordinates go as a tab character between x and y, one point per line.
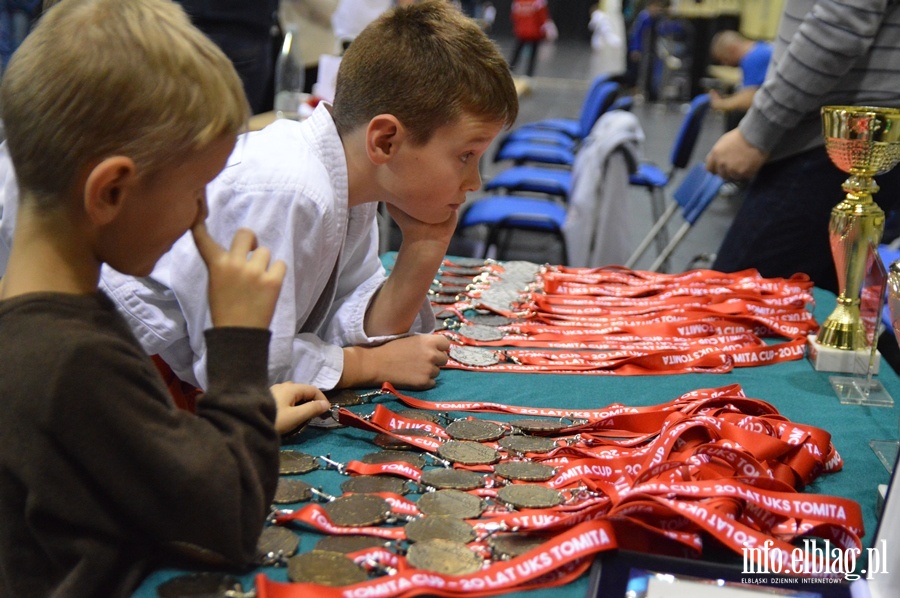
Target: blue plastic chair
654	178
550	180
591	108
542	144
504	214
622	103
694	194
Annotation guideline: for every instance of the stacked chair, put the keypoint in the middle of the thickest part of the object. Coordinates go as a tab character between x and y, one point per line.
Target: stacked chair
695	192
547	209
654	178
555	141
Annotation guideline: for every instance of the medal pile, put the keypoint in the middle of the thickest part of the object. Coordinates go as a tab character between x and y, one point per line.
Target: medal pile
524	499
521	317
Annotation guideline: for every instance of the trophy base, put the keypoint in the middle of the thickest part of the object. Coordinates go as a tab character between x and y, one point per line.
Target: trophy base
886	451
828	359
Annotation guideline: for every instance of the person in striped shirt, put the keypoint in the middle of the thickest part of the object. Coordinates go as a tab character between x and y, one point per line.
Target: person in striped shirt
827	52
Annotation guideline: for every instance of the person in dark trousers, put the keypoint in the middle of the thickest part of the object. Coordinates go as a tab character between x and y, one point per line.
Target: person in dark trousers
529	18
247	31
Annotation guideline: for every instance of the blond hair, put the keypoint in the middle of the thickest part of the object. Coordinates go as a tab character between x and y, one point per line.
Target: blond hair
427	64
98	78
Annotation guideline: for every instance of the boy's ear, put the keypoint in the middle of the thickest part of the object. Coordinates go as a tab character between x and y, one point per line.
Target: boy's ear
384	135
106	187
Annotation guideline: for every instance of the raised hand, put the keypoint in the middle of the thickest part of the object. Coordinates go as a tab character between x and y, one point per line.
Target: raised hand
243	285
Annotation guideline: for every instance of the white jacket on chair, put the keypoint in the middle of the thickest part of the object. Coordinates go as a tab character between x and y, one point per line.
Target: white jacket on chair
598	226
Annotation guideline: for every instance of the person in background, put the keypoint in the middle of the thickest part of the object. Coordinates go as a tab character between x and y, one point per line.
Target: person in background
730	48
607	35
6	46
311	189
16	19
529	23
118	114
352	16
642	37
245	30
487	14
835	54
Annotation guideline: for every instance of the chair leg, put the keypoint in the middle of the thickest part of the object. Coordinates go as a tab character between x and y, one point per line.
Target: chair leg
564	253
658	207
491	241
667	251
658	226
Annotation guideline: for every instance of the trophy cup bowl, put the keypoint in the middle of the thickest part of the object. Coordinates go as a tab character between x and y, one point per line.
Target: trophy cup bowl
863	141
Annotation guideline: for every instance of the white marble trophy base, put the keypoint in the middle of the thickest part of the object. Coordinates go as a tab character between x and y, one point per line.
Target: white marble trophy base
827	359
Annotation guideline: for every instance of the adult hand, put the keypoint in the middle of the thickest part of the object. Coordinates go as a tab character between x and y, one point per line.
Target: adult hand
734	159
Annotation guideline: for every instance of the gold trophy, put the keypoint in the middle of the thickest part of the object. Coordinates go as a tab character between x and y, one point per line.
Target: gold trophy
864	142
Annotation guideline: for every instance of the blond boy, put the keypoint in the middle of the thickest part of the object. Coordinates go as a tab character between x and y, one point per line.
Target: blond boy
420	95
117	116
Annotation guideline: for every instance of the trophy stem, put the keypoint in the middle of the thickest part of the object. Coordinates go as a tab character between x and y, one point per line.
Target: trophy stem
856	222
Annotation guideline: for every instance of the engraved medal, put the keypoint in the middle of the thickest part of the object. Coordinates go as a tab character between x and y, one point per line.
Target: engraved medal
477	332
290	490
467	452
477	430
508	546
357	510
291	462
492	320
522	443
444	556
275	543
345	398
540	426
462	270
474	356
439	526
457	479
525	471
420	415
372	484
529	496
451	503
325	568
449	289
441	299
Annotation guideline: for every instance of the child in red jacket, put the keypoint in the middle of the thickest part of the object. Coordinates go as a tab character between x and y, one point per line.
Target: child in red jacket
530	19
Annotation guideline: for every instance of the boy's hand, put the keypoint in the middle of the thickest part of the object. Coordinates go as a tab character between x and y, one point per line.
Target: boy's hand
243	286
417	230
408	362
396	305
296	404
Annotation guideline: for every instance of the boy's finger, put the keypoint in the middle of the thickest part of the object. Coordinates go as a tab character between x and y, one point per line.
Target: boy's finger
206	245
278	270
244	241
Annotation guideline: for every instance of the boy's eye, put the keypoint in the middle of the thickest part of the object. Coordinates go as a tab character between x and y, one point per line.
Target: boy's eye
465	157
